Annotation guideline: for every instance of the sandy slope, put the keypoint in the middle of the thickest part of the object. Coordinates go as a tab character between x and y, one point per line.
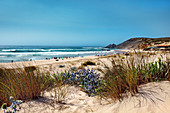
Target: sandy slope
152	98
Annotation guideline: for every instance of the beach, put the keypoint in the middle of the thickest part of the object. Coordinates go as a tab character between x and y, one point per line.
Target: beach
52	65
152	97
84	56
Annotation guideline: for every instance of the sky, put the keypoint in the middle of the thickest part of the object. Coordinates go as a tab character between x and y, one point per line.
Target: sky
81	22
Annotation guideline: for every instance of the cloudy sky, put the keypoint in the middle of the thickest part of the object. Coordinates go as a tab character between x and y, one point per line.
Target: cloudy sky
81	22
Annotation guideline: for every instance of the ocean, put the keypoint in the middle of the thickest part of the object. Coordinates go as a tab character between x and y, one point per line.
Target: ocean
27	53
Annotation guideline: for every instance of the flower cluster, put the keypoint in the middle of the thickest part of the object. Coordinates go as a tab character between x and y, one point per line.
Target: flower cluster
13	106
88	80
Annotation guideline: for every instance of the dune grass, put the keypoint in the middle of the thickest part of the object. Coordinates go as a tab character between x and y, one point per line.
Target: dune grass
125	75
26	84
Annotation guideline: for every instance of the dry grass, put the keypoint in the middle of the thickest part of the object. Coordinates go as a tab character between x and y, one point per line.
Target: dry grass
125	75
27	84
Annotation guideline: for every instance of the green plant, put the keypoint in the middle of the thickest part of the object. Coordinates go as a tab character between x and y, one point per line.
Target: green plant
88	80
88	63
15	106
114	56
61	89
60	93
30	69
23	84
126	75
156	71
123	57
98	63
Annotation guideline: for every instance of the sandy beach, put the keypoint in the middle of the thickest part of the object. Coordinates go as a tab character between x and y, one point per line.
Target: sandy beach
152	97
52	65
84	56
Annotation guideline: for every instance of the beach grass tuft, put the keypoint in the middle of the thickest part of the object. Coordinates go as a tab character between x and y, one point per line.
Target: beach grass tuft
125	75
27	84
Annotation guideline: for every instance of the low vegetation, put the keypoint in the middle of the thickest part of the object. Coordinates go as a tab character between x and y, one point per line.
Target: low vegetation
126	75
25	84
88	63
120	79
88	80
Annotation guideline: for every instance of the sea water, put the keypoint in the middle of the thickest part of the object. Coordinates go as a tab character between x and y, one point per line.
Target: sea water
26	53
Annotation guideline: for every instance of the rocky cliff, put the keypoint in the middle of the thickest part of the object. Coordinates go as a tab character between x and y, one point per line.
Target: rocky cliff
140	43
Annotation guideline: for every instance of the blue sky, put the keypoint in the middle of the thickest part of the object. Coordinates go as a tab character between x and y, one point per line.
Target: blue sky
81	22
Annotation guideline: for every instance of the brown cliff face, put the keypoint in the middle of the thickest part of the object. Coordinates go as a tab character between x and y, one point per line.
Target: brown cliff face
111	46
131	43
141	43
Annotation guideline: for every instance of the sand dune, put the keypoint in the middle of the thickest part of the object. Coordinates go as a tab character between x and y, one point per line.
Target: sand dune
152	98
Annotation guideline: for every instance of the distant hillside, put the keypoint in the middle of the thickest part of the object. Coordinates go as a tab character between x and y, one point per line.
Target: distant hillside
141	43
111	46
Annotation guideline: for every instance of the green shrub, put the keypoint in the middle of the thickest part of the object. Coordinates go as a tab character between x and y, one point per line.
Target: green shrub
98	63
30	69
123	57
88	63
114	56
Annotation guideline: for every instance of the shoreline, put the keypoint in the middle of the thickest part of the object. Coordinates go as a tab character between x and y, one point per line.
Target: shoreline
53	66
61	60
34	54
122	51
